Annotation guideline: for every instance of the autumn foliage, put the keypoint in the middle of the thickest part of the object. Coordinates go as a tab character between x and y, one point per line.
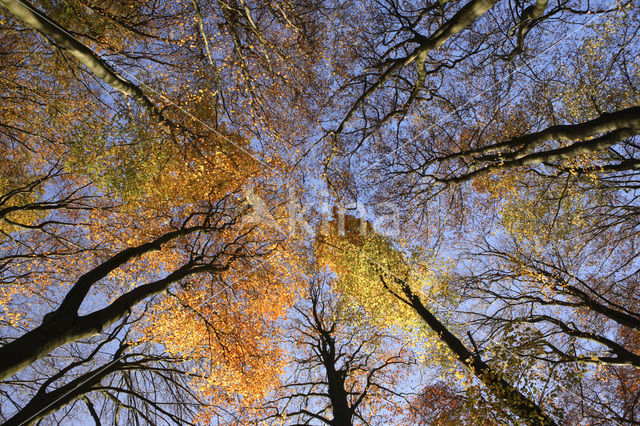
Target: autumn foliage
319	212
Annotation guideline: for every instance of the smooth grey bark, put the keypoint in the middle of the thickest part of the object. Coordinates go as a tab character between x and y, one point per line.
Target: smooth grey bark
63	328
517	402
43	404
46	402
342	411
45	25
205	41
628	118
529	15
622	355
521	405
462	19
616	313
605	131
64	325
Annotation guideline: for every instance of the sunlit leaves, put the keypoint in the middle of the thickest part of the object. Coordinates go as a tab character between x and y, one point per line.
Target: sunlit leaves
374	273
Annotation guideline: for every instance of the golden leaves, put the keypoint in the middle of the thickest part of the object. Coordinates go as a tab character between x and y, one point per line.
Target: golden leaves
230	332
373	274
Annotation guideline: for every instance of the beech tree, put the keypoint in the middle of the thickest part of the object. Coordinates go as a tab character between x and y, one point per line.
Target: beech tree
100	220
345	370
137	382
514	160
379	277
154	265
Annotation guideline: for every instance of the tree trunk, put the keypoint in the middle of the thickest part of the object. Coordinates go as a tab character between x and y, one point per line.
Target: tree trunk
518	403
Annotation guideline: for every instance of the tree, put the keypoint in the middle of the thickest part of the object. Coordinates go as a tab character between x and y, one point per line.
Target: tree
371	263
345	370
229	62
199	252
133	379
104	218
150	152
517	162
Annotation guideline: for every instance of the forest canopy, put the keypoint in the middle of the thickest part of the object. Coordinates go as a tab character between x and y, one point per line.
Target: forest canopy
338	212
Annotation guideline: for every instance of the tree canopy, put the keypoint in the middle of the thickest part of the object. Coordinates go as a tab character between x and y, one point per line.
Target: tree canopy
334	212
